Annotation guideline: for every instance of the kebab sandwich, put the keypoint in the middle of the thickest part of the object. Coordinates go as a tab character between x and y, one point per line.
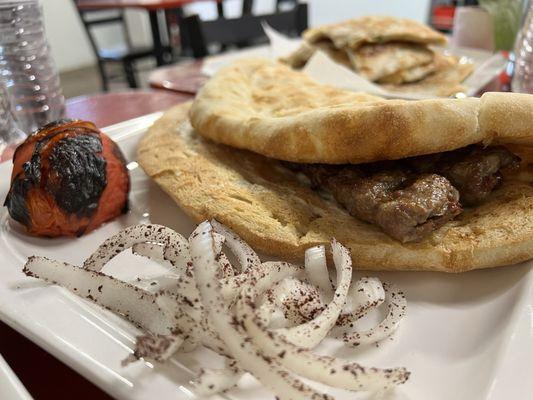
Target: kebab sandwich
399	54
288	163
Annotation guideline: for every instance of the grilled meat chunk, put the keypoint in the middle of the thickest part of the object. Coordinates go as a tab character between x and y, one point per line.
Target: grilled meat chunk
410	198
421	207
407	208
477	172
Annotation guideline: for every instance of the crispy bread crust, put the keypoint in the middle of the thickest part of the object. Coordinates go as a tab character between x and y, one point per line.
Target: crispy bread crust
272	110
279	215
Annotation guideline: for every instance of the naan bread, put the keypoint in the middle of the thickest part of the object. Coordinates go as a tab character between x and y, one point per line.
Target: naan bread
375	61
374	29
275	111
270	208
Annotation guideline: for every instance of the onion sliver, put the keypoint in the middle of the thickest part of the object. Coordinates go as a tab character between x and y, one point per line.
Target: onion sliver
364	295
299	301
262	277
328	370
316	268
247	257
153	251
140	234
212	381
396	305
310	334
137	305
250	357
154	347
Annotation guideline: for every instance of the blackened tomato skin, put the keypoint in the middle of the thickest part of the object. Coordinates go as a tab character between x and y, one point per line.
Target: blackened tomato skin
68	178
114	198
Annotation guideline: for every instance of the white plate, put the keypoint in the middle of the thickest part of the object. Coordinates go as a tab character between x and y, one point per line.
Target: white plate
467	336
11	388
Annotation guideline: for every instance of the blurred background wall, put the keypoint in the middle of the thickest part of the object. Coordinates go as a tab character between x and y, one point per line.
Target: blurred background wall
64	27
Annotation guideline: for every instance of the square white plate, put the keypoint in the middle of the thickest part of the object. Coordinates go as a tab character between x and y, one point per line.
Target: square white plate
466	336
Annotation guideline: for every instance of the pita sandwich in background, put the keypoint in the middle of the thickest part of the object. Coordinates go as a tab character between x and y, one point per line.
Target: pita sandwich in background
395	52
355	32
226	157
444	81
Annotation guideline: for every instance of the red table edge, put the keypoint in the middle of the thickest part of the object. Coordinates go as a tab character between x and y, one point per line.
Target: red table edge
146	5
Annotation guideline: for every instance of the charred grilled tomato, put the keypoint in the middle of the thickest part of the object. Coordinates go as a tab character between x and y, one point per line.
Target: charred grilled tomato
67	179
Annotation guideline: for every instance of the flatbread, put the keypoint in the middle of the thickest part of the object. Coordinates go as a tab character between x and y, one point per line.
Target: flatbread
337	55
375	61
417	72
445	81
413	74
374	29
277	214
299	57
272	110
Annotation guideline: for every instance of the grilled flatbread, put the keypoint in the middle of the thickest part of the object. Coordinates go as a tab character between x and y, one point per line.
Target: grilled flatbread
269	207
408	75
354	33
445	81
375	61
419	72
275	111
298	58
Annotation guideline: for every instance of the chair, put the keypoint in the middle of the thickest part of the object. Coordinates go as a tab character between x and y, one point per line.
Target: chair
174	18
246	29
126	55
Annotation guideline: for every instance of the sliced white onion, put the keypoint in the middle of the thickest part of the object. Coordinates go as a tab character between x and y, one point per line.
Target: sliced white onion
263	316
265	369
299	301
263	277
396	305
366	294
328	370
152	233
154	347
316	268
310	334
137	305
247	257
154	251
211	381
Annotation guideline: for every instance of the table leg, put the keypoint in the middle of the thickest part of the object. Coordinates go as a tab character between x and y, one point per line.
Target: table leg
156	37
176	15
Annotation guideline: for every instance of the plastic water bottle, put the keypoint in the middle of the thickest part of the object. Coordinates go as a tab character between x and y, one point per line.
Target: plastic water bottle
26	67
523	69
10	134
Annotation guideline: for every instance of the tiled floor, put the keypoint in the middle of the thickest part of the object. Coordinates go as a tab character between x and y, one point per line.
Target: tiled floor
87	80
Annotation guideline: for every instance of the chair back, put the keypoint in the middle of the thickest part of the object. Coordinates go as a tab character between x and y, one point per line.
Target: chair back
100	17
240	30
